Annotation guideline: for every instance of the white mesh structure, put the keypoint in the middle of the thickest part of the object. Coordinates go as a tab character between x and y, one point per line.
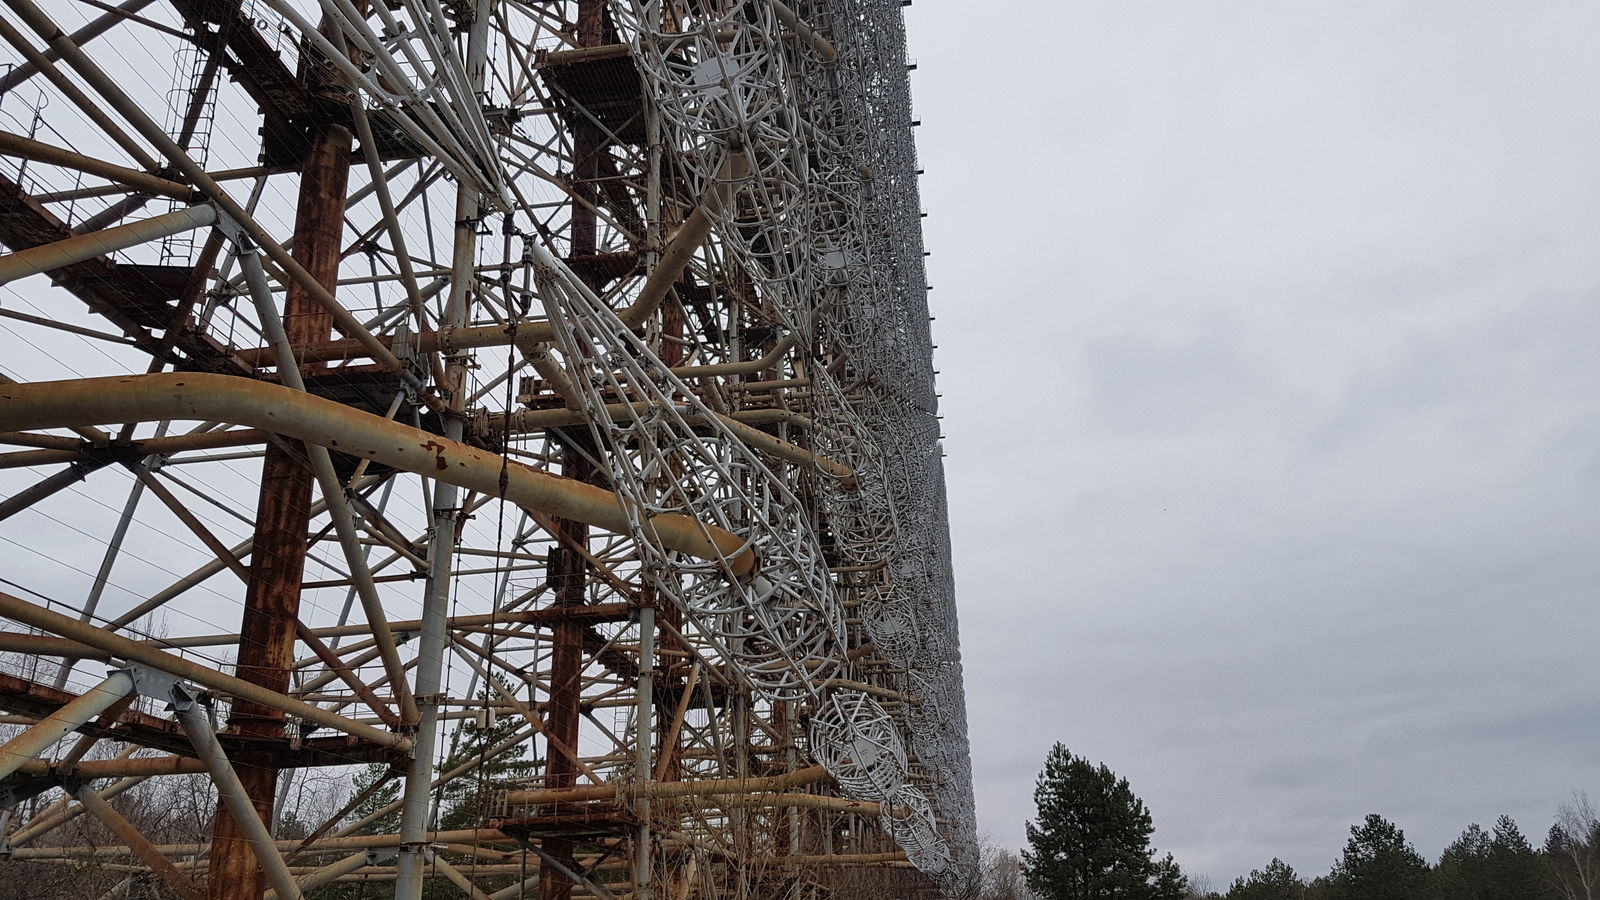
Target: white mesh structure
826	221
780	624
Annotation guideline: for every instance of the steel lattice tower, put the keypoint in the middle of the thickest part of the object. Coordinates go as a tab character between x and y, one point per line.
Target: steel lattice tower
484	443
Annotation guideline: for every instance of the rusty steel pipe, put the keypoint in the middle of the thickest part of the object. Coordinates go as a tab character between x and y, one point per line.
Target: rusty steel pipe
782	449
135	767
811	801
270	407
552	372
802	29
750	367
843	859
38	151
69	718
76	249
141	847
462	883
43	645
332	872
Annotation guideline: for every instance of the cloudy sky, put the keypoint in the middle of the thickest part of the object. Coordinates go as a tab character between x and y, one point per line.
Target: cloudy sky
1268	348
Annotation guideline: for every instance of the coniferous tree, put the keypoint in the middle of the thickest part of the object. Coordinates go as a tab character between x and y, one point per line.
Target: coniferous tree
1091	840
1497	865
1378	864
1461	867
1277	881
462	801
379	799
1516	871
1169	880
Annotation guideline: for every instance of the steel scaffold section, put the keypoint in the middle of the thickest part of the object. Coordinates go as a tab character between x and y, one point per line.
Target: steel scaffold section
486	442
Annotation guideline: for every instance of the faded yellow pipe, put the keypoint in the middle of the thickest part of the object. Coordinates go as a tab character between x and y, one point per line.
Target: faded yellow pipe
658	790
738	368
270	407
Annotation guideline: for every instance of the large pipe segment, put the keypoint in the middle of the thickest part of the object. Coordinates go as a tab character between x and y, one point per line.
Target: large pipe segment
273	408
38	151
802	29
81	247
669	789
39	738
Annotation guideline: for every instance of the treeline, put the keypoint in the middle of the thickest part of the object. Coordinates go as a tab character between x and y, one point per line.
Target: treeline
1495	864
1090	840
1378	863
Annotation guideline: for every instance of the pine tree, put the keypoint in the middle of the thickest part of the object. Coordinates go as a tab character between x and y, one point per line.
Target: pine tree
1092	837
1379	864
1500	865
463	802
1459	875
389	822
1169	880
1277	881
1516	870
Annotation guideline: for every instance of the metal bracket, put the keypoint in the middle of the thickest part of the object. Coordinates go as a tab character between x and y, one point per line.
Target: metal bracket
181	697
15	793
231	229
152	683
414	370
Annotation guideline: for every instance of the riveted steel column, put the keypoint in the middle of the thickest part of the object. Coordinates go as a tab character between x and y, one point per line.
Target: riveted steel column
568	571
283	517
567	575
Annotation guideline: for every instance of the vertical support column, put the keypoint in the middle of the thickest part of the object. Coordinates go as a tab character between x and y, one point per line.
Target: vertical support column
283	517
783	723
644	736
434	641
588	142
568	571
568	574
742	845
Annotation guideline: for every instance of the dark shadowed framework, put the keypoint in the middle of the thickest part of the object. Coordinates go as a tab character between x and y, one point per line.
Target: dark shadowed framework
475	361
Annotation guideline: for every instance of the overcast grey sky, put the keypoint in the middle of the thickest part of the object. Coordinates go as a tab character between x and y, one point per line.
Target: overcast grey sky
1268	348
